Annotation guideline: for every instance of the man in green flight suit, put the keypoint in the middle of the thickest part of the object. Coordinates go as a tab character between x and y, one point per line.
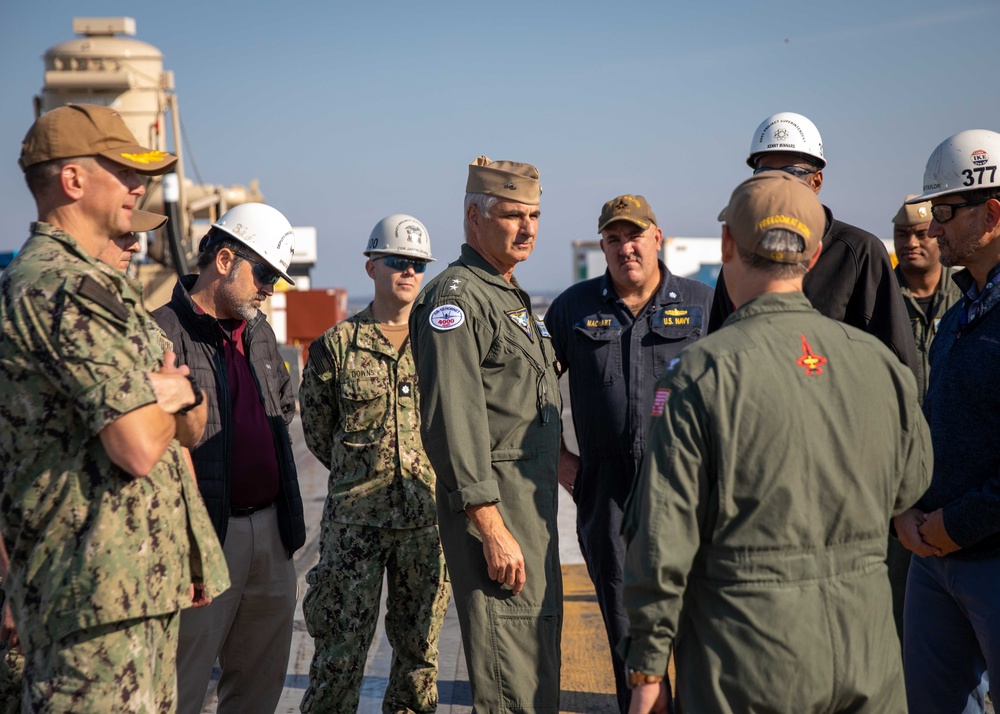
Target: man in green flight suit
361	418
757	528
490	410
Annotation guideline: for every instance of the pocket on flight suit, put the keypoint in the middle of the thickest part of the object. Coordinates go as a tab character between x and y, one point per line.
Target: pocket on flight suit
525	642
597	359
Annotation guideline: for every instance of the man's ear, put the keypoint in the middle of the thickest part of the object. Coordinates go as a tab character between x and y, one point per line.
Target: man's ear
815	181
728	245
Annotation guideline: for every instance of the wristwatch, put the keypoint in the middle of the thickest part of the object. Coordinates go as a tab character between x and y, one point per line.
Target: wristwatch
198	396
635	678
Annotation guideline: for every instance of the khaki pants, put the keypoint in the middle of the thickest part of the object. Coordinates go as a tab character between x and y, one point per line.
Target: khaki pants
248	628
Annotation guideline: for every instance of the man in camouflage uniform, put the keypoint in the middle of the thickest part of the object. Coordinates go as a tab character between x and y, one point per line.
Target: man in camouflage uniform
117	254
361	418
101	518
490	409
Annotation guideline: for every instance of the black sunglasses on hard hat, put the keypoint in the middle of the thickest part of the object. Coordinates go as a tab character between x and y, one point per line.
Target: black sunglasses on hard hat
796	171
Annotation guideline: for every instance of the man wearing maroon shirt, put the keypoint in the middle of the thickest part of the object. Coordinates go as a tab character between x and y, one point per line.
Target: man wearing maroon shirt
244	463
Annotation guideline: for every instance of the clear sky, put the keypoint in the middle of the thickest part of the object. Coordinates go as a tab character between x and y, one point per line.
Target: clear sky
348	112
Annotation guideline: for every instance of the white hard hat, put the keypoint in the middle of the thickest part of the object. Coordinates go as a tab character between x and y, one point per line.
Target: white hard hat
964	162
400	234
264	230
787	131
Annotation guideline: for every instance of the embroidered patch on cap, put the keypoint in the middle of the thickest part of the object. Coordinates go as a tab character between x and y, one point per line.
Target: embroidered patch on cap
446	317
659	401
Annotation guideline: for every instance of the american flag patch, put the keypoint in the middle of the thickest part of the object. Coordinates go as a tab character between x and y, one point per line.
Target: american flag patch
659	400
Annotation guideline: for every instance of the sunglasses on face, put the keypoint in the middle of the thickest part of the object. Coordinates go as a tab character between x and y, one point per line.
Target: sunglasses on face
944	212
796	171
265	274
397	263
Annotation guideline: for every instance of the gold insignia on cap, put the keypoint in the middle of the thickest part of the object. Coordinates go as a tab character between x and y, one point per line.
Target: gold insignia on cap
148	157
922	211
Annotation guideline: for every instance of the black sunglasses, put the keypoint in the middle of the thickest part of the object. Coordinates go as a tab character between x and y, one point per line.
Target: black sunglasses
397	263
796	171
265	274
944	212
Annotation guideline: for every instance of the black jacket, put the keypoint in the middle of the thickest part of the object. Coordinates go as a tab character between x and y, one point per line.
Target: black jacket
852	282
197	339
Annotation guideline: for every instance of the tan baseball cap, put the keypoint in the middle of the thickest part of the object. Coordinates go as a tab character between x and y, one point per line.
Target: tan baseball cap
633	208
912	214
771	200
143	221
89	130
509	180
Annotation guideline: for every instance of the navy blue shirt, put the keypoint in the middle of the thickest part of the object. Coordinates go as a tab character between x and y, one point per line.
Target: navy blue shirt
962	407
614	360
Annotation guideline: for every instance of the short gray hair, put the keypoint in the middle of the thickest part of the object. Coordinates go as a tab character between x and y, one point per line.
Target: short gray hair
779	240
484	203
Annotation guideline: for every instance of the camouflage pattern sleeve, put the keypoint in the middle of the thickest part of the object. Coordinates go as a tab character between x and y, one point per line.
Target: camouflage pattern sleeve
318	399
84	351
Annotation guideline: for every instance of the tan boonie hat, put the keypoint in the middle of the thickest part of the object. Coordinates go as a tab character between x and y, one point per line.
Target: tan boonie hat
509	180
89	130
629	207
913	214
143	221
771	200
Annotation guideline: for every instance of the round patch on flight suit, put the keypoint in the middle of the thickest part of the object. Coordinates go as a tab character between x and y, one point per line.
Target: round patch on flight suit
446	317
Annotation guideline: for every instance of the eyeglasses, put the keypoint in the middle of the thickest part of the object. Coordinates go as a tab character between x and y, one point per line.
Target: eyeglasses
796	171
265	274
944	212
397	263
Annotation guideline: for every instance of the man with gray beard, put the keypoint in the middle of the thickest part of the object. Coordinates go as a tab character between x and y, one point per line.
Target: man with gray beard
244	462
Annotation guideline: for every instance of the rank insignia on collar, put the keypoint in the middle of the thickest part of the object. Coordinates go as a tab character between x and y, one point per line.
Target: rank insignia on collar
812	362
520	318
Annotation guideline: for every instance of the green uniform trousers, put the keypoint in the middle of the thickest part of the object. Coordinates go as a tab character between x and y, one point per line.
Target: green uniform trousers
341	608
512	642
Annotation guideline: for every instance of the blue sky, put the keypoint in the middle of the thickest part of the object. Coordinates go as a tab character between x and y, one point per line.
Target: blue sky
348	112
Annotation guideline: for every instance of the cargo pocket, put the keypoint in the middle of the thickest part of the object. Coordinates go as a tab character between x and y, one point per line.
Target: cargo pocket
366	407
525	642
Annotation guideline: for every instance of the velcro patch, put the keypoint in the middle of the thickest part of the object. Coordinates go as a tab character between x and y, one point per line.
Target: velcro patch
446	317
520	318
659	402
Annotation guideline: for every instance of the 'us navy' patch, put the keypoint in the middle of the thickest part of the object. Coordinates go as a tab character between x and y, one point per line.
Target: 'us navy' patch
683	315
520	318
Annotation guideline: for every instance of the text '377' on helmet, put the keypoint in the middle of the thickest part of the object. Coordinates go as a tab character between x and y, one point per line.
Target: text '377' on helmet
967	161
263	229
400	234
787	131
